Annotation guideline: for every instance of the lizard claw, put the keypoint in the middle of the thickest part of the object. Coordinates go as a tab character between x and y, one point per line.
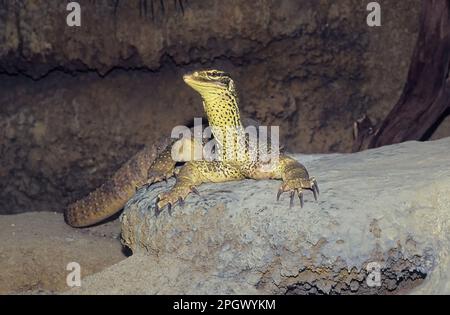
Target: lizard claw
315	185
291	201
296	186
195	191
157	210
315	192
176	195
300	196
280	191
156	176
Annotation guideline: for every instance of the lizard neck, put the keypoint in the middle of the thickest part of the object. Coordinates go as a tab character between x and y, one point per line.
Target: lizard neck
222	111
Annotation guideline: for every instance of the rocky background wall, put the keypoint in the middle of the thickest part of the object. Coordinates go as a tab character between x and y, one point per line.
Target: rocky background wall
75	103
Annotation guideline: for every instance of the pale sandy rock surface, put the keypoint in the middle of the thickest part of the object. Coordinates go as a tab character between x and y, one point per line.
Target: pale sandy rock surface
36	248
390	206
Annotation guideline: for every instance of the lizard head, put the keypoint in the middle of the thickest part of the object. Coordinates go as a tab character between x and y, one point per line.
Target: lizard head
219	96
209	82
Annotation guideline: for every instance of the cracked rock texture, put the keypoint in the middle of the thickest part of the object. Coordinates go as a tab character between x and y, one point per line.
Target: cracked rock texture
388	206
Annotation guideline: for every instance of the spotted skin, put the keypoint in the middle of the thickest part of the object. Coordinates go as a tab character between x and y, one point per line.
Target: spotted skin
155	163
193	174
110	197
221	102
162	168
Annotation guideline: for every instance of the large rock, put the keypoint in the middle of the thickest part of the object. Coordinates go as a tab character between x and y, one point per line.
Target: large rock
389	207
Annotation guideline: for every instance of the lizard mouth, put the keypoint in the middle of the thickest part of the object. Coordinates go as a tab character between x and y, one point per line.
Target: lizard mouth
188	77
197	81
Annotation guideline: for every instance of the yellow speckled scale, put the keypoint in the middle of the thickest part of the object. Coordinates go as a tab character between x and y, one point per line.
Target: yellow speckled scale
221	106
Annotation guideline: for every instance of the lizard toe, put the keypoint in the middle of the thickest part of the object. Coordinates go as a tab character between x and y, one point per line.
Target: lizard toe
296	186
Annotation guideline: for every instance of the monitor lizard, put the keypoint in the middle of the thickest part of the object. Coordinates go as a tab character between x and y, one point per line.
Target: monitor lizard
236	161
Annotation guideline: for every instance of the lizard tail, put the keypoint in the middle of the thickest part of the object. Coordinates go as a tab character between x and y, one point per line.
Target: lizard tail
111	197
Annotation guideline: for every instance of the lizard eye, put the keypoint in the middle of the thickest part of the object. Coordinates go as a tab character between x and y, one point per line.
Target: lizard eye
212	75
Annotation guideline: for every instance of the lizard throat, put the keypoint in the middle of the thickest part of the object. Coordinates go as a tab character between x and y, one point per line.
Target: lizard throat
222	111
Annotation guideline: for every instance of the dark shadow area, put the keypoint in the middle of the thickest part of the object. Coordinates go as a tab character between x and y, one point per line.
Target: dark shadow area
436	125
